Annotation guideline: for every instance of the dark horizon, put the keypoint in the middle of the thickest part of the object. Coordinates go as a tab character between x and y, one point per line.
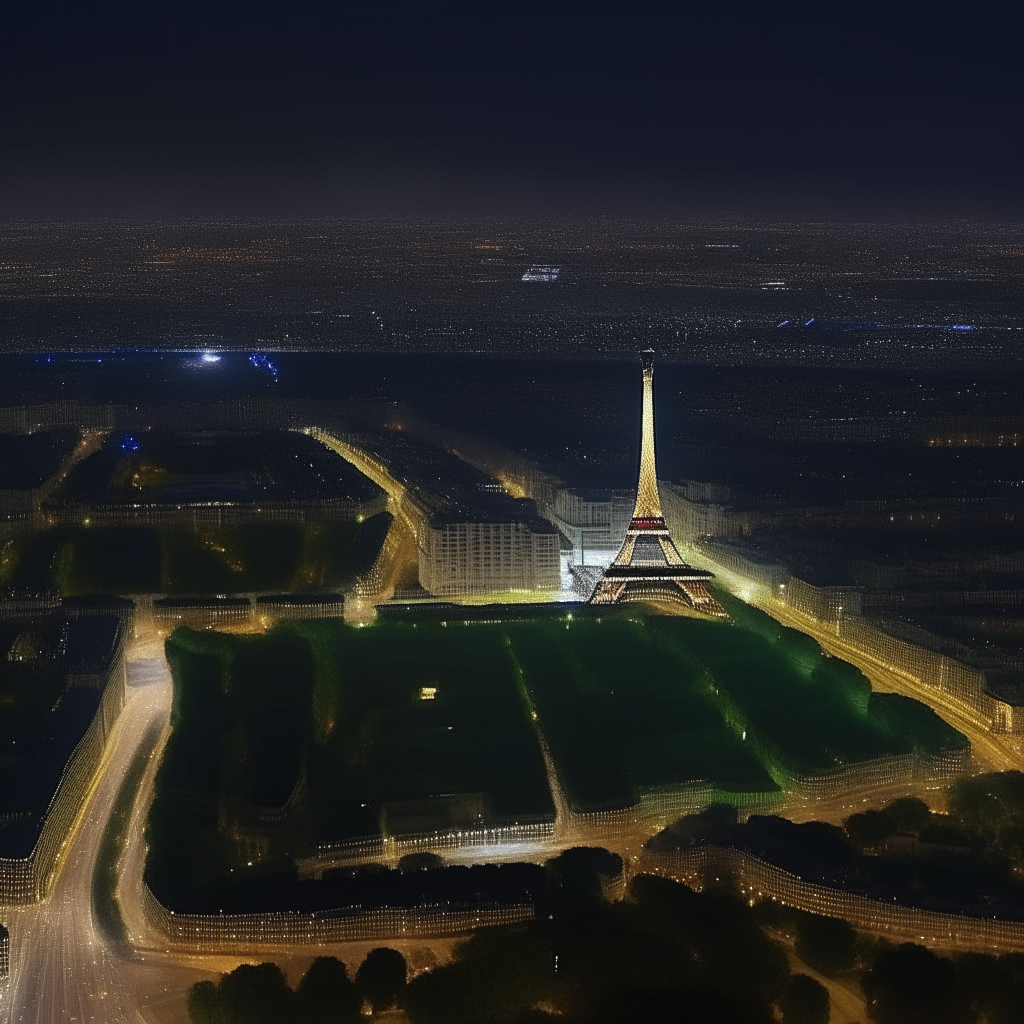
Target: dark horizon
184	110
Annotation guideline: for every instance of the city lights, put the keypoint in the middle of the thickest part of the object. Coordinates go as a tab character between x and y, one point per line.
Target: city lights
406	535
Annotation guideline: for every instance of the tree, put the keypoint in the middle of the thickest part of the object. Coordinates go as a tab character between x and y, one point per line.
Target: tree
420	862
495	977
326	994
992	806
204	1003
911	985
576	876
909	813
869	828
256	995
805	1001
828	944
381	977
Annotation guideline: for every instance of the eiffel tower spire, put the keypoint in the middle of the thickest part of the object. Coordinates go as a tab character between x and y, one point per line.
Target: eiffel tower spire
648	566
648	503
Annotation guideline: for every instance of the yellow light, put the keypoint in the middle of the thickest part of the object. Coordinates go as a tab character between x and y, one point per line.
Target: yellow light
428	692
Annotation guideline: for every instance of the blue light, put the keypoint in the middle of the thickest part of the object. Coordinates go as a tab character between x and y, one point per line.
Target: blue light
809	322
211	357
262	362
129	444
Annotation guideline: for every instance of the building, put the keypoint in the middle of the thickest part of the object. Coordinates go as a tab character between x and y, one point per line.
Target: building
594	522
648	566
826	604
471	552
692	514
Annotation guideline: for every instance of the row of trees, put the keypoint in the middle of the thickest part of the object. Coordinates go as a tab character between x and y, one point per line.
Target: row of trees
664	954
969	860
260	994
985	811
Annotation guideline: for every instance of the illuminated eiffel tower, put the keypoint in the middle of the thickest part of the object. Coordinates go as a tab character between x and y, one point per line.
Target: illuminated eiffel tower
648	567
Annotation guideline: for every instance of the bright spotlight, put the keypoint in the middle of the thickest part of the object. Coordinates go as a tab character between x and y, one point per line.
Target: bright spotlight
211	357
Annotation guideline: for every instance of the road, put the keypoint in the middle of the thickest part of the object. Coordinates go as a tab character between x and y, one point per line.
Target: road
400	546
63	967
846	1002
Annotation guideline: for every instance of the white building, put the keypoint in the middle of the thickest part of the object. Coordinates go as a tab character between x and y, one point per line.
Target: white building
594	522
465	556
694	509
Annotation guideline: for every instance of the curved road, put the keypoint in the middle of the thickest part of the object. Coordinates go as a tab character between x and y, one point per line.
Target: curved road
63	968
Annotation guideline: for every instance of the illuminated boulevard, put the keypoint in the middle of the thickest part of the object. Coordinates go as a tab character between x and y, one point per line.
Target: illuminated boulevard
62	967
989	753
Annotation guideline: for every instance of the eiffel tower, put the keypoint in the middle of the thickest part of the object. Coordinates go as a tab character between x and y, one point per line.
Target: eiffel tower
648	566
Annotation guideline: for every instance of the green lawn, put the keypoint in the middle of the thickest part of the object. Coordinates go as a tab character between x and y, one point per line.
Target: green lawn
329	718
635	704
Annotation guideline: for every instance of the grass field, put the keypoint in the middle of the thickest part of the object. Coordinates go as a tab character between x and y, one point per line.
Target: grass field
327	723
635	704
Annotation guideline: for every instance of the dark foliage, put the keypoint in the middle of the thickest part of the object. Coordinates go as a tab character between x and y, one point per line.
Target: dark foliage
576	876
967	861
805	1001
992	807
326	994
869	828
911	985
909	814
204	1003
250	994
664	954
828	944
420	862
277	887
381	978
260	995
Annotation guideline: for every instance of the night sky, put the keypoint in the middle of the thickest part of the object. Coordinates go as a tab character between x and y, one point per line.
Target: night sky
836	108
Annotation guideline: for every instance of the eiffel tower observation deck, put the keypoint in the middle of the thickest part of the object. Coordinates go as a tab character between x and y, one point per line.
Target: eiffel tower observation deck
648	566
